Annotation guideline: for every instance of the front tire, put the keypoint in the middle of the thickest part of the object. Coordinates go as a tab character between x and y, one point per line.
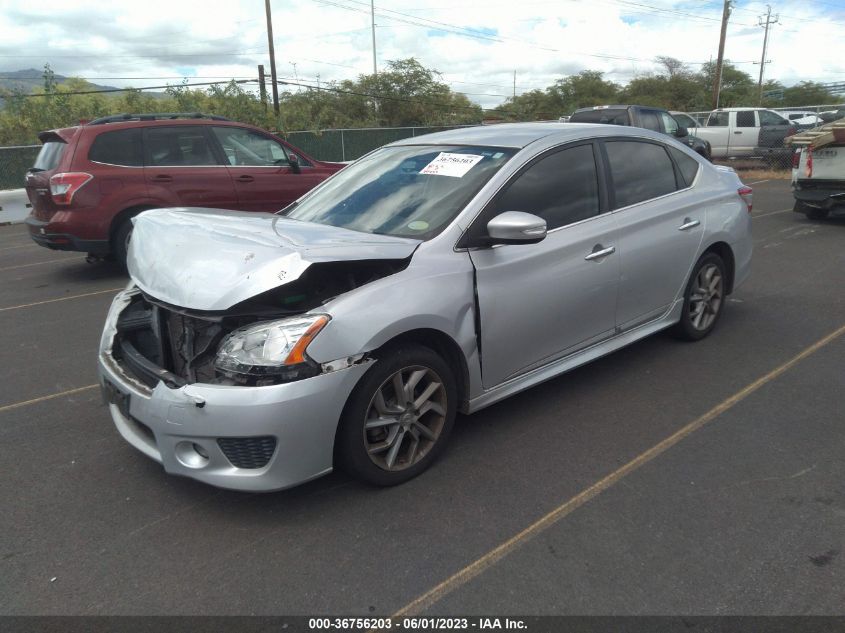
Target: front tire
816	214
399	417
704	298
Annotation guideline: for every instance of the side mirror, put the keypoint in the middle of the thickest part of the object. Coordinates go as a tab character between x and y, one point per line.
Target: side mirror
293	160
516	227
681	132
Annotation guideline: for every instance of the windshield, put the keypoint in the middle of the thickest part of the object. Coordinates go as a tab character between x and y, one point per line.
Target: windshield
406	191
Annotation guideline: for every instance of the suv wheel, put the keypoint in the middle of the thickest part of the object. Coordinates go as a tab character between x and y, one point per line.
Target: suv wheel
398	418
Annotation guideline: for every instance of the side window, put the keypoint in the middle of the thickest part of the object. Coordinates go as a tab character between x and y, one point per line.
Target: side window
688	165
119	147
640	171
745	118
183	146
669	123
247	148
561	188
649	120
770	118
718	119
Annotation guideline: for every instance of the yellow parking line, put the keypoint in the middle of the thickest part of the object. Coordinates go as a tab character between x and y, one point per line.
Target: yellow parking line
38	303
49	261
69	392
489	559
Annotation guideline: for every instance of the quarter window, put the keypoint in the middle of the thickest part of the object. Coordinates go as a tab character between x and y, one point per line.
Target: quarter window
120	147
687	164
184	146
770	118
248	148
561	188
640	171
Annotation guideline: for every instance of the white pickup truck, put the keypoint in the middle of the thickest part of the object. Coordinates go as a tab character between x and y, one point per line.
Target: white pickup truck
818	171
735	132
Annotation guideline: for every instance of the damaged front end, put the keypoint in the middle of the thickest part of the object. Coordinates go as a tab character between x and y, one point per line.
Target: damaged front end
258	342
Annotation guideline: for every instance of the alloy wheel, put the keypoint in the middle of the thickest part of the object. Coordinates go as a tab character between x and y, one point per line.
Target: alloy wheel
405	418
706	298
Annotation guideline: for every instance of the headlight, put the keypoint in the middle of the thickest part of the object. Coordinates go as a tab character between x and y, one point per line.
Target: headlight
271	348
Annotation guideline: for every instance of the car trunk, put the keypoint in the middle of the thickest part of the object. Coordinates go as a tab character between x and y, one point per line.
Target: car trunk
47	163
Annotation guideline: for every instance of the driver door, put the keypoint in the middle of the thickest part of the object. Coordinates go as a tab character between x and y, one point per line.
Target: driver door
540	302
261	171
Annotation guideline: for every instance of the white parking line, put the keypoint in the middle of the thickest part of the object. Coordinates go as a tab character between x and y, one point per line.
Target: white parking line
763	215
49	261
8	248
38	303
758	182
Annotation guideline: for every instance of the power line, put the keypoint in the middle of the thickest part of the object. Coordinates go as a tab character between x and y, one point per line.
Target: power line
105	90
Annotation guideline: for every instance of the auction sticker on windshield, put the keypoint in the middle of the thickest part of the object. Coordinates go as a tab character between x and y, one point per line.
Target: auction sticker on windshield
454	165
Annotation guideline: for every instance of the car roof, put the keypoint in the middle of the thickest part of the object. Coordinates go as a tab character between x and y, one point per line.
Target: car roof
519	135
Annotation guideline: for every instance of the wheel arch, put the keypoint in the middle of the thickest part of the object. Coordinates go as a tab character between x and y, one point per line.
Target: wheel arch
446	347
121	216
724	250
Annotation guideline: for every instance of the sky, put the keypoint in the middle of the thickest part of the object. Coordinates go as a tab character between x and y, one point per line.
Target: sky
478	47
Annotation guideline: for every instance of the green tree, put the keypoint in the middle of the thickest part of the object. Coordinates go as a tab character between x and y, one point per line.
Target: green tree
738	87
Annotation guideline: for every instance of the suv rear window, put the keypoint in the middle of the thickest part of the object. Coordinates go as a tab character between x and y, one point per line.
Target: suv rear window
49	156
612	116
119	147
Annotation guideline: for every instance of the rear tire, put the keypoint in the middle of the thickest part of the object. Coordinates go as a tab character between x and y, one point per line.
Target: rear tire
399	417
120	241
704	298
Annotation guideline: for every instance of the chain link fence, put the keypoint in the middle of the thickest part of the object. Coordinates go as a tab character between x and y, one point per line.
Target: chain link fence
14	161
352	143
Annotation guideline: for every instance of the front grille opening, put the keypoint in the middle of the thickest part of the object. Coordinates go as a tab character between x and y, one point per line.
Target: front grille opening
248	452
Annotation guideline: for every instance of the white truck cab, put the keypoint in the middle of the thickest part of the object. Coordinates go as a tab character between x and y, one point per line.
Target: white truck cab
735	131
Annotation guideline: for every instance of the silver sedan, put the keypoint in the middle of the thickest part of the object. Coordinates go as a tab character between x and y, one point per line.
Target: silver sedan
436	275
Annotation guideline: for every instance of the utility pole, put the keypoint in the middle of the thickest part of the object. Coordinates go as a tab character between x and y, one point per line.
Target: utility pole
769	21
514	85
373	24
717	81
272	58
262	87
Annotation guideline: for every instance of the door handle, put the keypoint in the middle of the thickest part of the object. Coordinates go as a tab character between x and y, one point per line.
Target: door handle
162	178
737	131
245	178
600	251
688	224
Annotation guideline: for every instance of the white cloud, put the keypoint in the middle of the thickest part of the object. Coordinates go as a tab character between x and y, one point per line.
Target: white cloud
542	40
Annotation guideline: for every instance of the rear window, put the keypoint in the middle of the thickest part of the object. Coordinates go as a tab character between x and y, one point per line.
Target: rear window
119	147
49	156
617	116
745	118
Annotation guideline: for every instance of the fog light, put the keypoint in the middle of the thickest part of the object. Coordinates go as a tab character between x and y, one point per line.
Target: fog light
191	455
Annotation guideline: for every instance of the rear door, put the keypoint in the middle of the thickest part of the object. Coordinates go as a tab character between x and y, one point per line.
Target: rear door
661	225
261	171
744	133
539	302
182	168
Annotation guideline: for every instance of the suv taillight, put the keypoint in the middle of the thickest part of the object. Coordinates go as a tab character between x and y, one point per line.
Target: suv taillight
63	186
746	194
796	158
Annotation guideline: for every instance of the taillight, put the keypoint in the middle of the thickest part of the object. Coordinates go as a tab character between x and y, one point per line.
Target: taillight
746	194
63	186
796	158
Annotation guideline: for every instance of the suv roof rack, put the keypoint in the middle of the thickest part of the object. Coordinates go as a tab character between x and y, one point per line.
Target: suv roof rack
155	116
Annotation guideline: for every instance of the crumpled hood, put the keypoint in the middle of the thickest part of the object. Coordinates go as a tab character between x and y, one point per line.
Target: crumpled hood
208	259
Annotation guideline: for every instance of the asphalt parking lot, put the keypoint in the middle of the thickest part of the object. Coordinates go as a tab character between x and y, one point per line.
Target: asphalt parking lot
668	478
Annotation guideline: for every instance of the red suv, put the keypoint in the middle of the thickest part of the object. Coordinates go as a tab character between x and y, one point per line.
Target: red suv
90	180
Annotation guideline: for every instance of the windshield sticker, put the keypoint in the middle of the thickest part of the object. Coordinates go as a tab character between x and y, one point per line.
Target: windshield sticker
454	165
418	225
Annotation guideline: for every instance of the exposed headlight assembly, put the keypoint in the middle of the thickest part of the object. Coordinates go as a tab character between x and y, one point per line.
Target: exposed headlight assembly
271	351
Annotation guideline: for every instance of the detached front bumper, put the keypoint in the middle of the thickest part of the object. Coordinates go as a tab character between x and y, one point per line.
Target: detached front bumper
241	438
